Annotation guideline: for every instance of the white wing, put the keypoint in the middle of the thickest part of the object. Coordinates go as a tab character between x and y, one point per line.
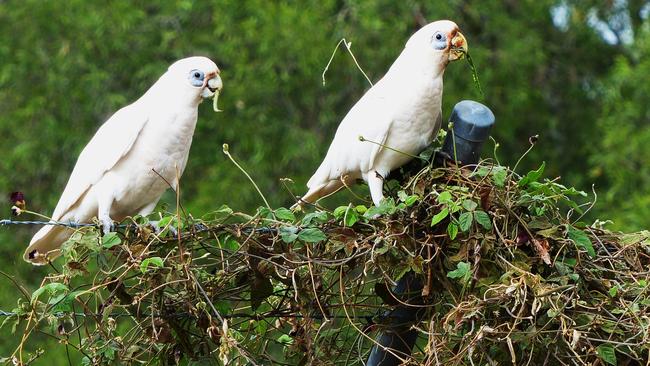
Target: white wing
112	141
370	118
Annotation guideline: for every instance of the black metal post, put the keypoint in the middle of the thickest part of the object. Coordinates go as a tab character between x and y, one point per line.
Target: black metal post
472	122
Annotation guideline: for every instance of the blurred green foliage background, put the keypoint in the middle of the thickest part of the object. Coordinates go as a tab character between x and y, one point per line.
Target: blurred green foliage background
574	72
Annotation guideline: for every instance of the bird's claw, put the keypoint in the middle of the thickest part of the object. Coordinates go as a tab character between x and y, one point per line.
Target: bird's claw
158	229
441	157
155	226
297	207
107	226
200	227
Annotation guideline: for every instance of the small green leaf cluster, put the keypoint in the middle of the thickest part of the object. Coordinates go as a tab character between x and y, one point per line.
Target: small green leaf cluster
462	213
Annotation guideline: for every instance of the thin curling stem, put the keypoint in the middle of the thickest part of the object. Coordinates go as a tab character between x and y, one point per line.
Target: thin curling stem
453	140
363	139
496	146
225	151
347	46
532	140
36	214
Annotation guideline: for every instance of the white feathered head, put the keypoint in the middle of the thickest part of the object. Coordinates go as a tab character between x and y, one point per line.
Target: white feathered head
440	40
197	74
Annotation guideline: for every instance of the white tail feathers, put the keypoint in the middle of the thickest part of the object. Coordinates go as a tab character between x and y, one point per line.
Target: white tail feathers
46	243
319	191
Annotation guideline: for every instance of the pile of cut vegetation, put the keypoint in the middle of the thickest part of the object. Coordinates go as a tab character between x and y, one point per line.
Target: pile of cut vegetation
510	275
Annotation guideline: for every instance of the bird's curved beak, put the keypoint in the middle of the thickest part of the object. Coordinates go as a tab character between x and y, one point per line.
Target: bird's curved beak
458	47
215	85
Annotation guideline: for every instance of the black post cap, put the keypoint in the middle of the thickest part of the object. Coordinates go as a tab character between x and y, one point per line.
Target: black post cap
472	122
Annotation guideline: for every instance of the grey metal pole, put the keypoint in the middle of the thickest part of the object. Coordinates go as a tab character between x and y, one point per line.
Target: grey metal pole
472	122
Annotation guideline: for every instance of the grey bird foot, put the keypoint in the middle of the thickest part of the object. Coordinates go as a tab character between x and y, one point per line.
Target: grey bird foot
107	225
158	229
441	157
298	206
200	227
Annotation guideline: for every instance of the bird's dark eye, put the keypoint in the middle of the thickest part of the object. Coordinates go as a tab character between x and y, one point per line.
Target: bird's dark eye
439	41
196	77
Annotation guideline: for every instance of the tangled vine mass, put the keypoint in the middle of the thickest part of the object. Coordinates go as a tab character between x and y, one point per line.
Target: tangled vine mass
509	274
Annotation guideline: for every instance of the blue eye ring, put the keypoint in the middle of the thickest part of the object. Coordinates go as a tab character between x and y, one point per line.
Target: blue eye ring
196	77
439	41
